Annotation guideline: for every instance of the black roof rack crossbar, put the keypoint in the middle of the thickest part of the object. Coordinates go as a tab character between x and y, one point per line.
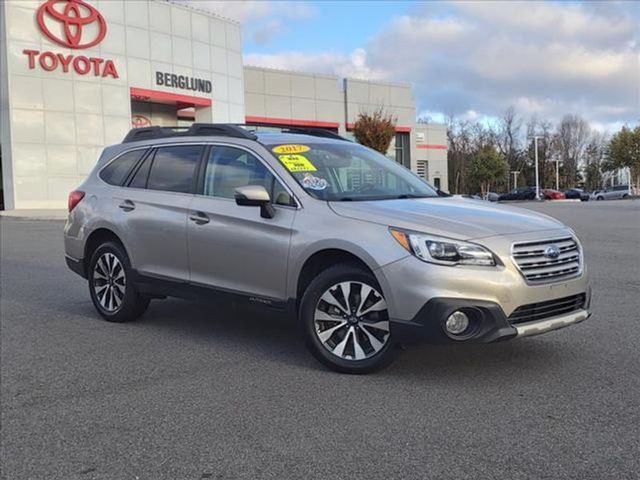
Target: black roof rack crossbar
195	130
315	132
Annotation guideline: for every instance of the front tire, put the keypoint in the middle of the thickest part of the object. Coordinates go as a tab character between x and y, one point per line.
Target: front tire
345	320
113	292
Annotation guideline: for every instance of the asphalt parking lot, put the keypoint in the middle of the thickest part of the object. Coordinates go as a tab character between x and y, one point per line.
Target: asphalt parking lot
194	392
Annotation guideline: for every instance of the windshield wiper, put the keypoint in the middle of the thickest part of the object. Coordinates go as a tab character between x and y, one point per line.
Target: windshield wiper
389	197
411	195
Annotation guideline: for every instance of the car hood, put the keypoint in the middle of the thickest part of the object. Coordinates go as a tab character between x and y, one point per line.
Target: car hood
458	218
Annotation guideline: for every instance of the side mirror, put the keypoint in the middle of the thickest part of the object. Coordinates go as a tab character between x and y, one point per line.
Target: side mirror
255	196
442	193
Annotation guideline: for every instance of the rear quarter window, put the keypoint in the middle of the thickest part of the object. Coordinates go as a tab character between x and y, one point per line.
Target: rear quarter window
117	171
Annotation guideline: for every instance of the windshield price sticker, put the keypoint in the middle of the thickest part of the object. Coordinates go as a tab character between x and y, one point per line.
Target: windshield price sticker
297	163
291	149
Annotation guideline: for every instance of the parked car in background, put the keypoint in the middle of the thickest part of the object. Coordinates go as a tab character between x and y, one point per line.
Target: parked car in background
576	194
611	193
489	196
522	193
550	194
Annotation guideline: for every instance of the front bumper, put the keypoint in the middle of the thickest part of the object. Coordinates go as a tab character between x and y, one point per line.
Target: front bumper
488	322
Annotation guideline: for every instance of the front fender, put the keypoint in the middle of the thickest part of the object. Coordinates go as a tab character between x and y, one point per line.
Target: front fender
373	261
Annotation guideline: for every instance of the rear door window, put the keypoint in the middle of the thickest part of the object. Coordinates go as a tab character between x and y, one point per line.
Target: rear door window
174	169
117	171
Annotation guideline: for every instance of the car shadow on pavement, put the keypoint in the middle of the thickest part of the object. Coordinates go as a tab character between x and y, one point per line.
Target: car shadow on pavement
247	331
238	328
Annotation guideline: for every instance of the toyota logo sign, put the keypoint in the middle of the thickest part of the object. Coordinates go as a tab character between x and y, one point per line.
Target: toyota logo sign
71	23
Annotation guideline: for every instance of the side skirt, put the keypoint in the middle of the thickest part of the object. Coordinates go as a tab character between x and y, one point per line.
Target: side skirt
160	287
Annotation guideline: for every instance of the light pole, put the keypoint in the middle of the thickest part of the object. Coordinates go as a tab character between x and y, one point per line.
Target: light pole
535	142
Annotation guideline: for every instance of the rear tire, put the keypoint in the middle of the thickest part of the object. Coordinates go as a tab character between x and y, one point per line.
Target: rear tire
345	321
111	286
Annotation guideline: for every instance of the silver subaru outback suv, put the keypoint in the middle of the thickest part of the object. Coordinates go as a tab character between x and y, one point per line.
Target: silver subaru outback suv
364	253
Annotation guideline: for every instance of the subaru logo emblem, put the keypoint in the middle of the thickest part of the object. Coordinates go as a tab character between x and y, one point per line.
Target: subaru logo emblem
552	251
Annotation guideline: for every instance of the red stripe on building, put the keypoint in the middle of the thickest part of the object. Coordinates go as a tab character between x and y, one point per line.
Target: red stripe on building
290	122
155	95
427	146
399	128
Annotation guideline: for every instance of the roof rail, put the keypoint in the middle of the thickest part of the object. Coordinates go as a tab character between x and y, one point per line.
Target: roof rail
315	132
195	130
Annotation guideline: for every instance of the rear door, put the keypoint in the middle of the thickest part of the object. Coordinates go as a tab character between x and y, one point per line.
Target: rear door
152	211
232	247
621	191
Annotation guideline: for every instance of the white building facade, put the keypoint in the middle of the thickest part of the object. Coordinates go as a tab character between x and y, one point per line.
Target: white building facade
76	75
66	93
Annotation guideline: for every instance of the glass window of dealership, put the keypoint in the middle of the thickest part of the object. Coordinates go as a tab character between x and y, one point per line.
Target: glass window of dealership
76	75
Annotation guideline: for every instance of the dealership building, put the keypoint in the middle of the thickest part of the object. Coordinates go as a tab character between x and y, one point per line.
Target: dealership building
76	75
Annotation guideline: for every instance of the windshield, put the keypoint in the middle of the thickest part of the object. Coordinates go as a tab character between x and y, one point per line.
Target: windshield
349	172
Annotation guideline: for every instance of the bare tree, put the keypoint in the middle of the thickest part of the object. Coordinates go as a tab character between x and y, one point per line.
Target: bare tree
466	139
594	158
459	140
509	138
547	153
571	140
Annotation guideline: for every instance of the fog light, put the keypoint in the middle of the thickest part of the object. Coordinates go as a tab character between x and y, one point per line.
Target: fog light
457	323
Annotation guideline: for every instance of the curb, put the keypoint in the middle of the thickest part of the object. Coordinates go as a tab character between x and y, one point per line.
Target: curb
33	215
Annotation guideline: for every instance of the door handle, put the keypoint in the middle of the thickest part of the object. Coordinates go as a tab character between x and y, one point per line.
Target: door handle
127	206
199	218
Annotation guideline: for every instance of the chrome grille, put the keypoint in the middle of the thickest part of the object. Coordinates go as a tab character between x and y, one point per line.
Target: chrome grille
538	267
551	308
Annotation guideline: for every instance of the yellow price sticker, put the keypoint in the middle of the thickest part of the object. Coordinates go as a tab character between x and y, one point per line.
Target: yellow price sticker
291	149
297	163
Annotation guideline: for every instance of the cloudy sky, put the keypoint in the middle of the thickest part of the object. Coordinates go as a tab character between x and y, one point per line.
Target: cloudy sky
470	59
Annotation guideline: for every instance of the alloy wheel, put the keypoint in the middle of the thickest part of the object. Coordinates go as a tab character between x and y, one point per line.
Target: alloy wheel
109	282
351	320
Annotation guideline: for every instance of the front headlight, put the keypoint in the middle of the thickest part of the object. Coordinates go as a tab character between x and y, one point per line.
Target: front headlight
443	251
